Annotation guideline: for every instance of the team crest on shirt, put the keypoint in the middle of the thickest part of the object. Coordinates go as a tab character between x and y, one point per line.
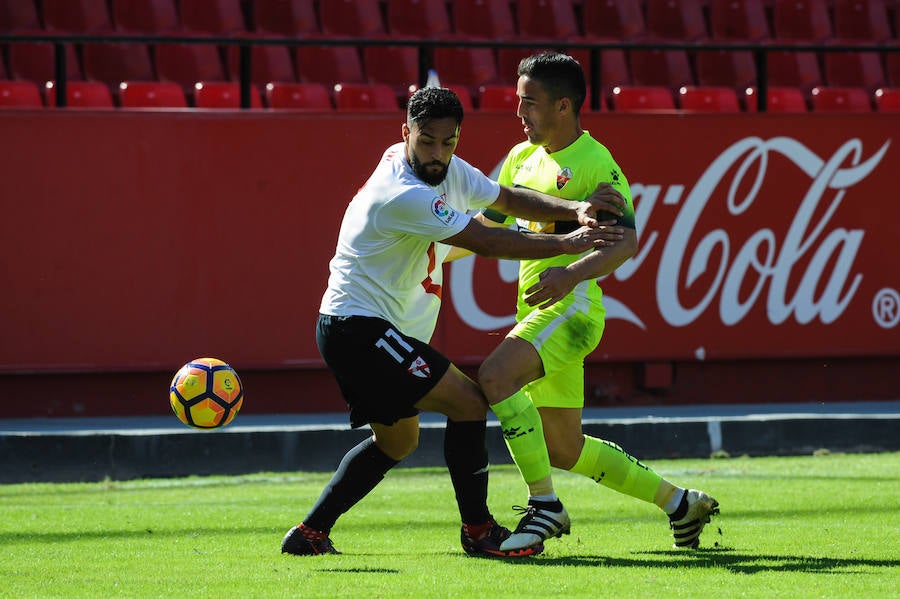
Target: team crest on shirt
420	368
563	176
443	211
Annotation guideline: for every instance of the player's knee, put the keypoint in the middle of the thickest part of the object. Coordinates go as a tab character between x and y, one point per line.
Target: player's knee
398	447
562	456
492	381
472	408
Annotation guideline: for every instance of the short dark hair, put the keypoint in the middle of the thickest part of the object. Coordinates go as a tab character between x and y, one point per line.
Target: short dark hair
430	103
560	74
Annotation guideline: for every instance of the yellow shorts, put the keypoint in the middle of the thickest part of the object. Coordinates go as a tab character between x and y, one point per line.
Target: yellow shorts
563	335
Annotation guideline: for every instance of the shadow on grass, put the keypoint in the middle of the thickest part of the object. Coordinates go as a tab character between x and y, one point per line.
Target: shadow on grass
360	570
738	563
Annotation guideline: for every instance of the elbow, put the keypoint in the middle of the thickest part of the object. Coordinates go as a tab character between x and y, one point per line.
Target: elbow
630	244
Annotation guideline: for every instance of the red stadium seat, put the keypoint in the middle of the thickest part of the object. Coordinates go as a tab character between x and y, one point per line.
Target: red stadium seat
498	98
861	20
667	68
709	99
734	69
151	94
76	16
508	63
364	97
186	64
329	65
802	20
20	94
113	63
896	21
418	18
397	66
222	94
35	61
892	64
887	99
613	65
794	69
613	68
739	20
483	19
285	17
465	97
840	99
145	16
267	63
778	99
16	15
298	96
642	98
854	69
470	67
353	18
613	19
81	94
682	20
212	16
543	19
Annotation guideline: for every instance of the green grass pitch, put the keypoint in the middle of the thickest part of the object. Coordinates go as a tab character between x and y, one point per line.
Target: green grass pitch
816	526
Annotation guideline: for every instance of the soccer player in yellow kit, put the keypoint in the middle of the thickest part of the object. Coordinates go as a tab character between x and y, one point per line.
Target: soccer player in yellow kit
560	314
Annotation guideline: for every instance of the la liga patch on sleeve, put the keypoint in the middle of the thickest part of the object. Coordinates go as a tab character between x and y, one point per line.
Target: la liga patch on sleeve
443	211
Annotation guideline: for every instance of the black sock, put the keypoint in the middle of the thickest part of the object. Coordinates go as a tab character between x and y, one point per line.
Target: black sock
467	460
681	510
360	471
553	506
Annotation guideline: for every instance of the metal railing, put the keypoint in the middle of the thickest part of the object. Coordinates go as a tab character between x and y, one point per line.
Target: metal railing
759	50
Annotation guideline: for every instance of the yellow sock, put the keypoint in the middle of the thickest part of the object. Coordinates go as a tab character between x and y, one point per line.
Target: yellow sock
608	464
524	435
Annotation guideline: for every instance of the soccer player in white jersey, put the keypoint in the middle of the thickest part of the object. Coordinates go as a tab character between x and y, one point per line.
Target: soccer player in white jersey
381	306
560	315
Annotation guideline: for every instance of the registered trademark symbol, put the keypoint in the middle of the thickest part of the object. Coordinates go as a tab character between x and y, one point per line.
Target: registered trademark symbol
886	308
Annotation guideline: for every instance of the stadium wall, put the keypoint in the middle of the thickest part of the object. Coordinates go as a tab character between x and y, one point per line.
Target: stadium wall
133	241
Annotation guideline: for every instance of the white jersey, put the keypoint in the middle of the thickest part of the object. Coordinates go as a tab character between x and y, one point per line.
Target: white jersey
388	261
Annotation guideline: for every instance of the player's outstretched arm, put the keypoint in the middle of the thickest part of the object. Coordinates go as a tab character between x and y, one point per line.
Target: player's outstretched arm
505	243
540	207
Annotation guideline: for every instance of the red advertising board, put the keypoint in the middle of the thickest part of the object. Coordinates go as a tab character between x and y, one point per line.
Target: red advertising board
135	241
759	237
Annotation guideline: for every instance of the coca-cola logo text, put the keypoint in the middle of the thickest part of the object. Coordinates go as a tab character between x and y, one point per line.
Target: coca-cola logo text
736	275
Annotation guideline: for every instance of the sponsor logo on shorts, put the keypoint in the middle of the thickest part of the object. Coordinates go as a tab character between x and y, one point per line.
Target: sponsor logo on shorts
443	211
420	368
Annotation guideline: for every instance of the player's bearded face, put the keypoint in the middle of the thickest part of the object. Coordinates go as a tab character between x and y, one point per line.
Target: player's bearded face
429	148
432	172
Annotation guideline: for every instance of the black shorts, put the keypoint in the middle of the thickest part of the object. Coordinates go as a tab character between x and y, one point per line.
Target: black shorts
382	373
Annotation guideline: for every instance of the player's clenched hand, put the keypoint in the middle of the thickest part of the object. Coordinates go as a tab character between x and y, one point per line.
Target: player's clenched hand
604	234
605	198
555	283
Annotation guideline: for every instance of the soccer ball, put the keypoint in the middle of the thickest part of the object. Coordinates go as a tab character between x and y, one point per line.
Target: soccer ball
206	393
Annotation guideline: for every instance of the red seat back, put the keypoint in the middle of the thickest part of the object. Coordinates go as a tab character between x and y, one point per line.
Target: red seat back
364	97
151	94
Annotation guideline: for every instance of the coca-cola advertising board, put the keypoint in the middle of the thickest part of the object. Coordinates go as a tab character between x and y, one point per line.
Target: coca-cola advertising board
183	234
759	237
